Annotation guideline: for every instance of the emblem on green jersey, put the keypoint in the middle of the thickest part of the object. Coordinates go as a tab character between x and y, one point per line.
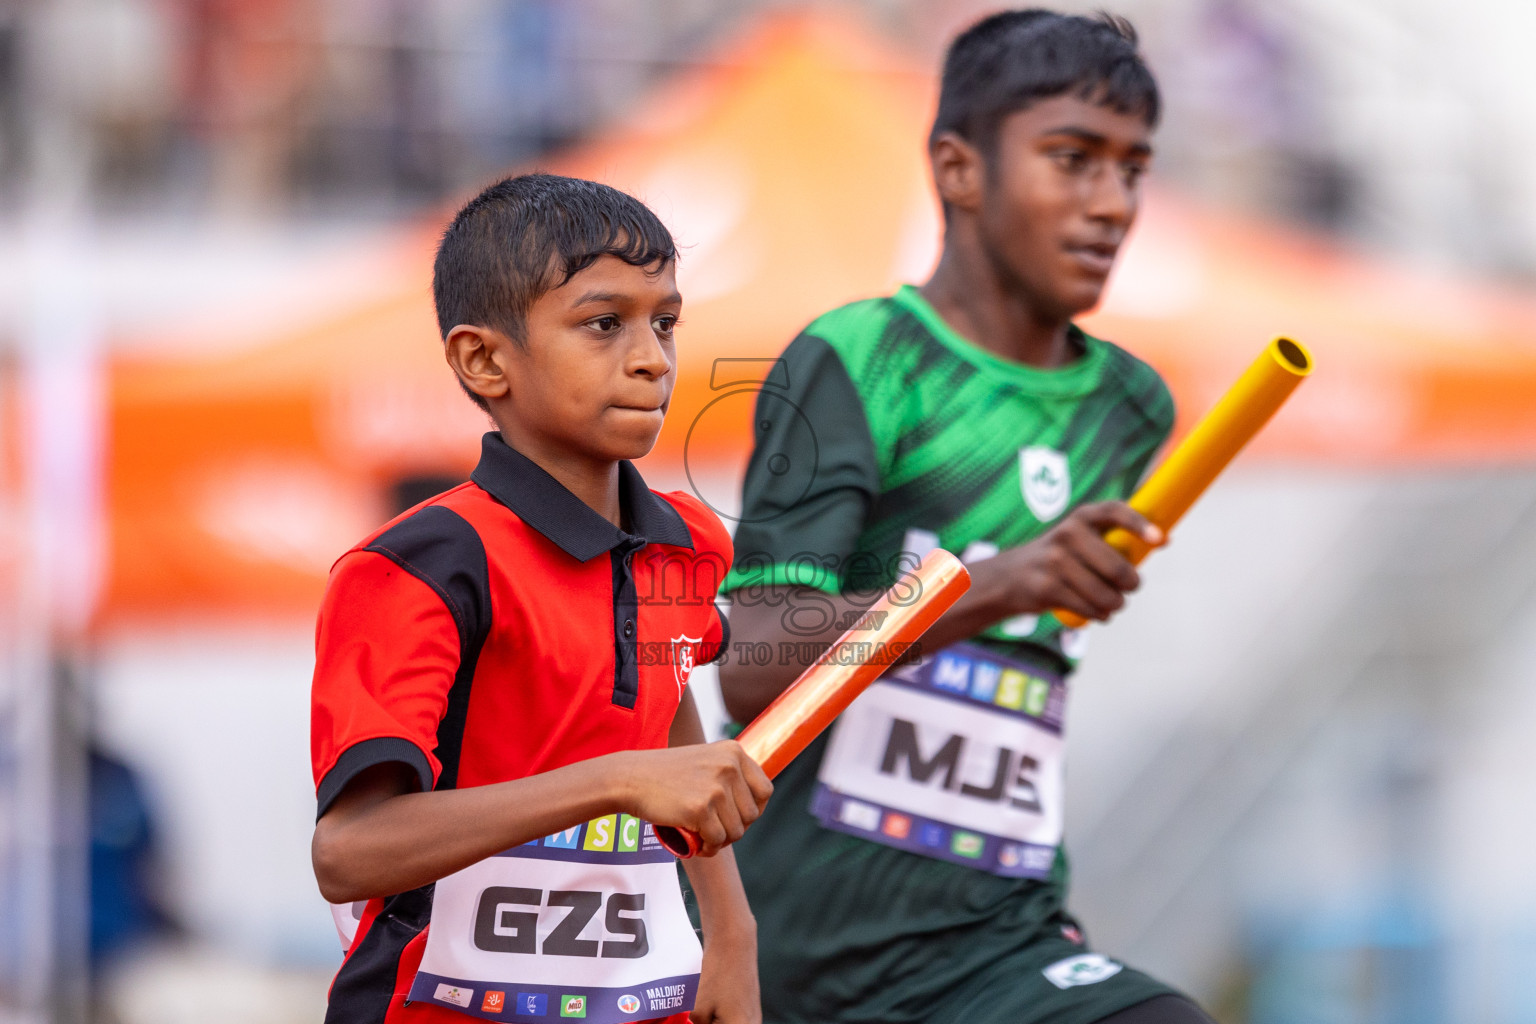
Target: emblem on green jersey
1083	969
1046	481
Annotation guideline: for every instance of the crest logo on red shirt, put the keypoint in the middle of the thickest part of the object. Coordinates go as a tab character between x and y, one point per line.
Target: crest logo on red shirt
682	660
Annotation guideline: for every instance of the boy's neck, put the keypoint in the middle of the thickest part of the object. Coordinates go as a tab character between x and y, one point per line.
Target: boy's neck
971	296
594	481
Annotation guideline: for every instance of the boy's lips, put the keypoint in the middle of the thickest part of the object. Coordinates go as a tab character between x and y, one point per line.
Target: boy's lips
1098	258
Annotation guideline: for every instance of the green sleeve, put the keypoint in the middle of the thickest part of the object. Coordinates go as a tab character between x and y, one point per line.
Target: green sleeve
1156	404
812	477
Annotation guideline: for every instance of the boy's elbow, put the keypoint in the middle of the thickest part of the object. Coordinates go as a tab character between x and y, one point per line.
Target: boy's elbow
334	890
327	852
735	681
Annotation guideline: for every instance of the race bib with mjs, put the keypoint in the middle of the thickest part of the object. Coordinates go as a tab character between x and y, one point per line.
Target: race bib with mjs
957	758
586	923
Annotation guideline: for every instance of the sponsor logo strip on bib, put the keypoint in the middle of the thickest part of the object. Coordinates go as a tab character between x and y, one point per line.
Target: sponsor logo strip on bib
931	838
531	1002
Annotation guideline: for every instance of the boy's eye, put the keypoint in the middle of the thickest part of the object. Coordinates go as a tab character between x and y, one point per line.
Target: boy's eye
1133	173
665	324
606	324
1071	160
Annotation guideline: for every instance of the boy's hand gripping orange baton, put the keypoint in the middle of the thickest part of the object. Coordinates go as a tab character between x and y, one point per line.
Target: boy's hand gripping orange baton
847	668
1214	441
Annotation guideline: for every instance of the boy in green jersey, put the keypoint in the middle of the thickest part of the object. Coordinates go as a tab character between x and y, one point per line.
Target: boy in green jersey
910	867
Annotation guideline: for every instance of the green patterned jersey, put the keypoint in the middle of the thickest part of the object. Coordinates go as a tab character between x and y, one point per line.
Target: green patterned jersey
880	434
883	432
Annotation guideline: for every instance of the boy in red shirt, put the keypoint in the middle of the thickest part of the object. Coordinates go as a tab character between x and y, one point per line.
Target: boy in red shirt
500	701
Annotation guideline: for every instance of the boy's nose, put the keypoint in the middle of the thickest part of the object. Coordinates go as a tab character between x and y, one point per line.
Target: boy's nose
1111	200
648	358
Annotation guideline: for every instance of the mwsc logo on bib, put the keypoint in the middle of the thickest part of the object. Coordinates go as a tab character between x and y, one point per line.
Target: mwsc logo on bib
629	1003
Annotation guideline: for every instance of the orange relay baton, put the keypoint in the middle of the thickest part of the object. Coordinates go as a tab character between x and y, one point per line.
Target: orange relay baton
1214	442
845	670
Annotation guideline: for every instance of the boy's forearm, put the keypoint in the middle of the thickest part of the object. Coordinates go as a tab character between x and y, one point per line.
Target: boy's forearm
723	909
397	842
380	837
748	687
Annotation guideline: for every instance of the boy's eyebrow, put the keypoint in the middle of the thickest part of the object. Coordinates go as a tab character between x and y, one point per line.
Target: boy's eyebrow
1094	138
1086	135
619	297
600	297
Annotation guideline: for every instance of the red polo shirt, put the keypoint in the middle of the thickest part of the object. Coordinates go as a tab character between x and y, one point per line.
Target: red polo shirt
500	630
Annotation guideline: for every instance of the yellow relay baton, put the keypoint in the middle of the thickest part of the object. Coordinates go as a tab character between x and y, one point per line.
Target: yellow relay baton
1205	452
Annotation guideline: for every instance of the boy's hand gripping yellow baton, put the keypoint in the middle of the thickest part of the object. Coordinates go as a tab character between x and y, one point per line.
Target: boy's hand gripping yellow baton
1214	441
845	670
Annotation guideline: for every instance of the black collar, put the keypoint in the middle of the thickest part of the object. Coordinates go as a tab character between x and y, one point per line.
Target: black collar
543	503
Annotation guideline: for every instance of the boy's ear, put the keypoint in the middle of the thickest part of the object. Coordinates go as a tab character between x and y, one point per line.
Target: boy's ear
959	173
479	356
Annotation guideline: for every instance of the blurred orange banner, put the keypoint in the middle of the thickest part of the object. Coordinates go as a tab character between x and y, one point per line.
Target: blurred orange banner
792	170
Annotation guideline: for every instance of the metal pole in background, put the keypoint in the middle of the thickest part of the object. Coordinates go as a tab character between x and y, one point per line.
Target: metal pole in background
58	423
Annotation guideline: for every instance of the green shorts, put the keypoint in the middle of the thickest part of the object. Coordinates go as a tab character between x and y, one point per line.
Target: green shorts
1050	981
855	932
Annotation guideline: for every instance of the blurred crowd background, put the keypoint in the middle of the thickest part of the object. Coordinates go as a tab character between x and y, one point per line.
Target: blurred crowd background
1300	783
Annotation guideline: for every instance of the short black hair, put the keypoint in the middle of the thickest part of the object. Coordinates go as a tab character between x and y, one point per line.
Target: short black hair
1009	60
528	235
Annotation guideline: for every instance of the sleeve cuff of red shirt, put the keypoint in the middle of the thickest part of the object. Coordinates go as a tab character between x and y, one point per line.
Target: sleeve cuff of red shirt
725	638
364	755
